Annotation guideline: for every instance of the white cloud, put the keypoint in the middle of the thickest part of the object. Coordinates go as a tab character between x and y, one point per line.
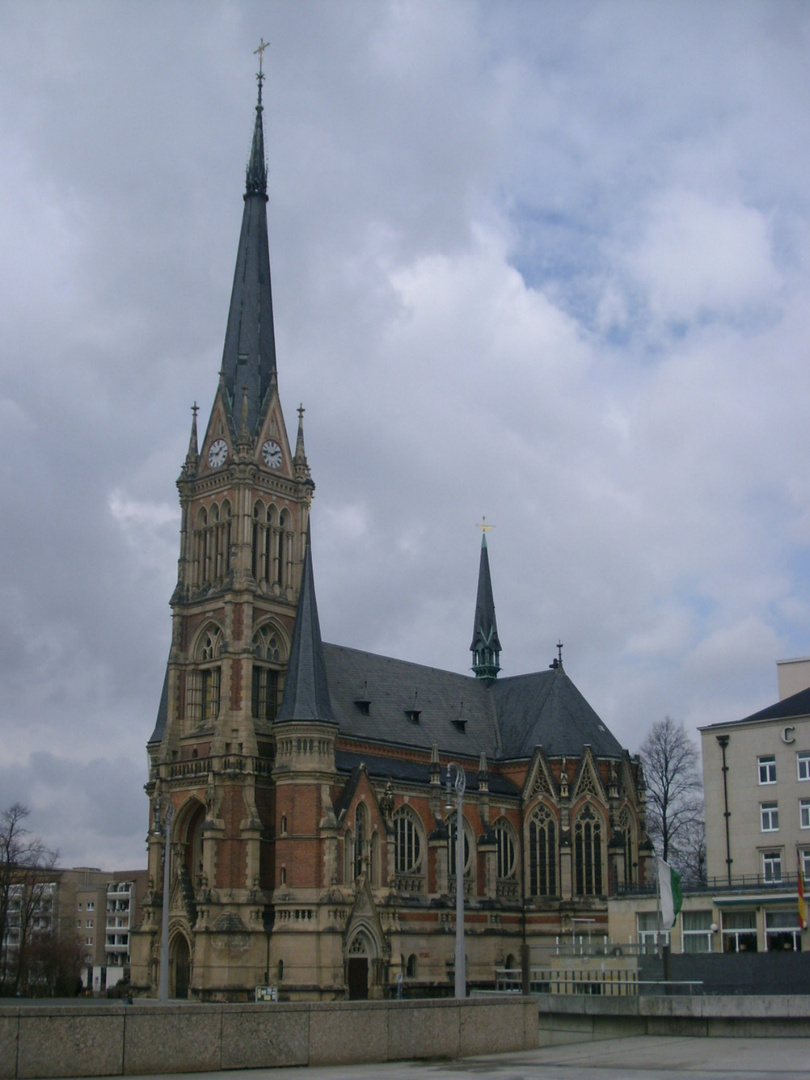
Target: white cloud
702	258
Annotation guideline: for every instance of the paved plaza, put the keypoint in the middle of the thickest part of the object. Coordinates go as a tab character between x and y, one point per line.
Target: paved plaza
638	1058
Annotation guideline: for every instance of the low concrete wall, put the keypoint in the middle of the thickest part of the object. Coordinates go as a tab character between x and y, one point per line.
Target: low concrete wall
144	1039
581	1017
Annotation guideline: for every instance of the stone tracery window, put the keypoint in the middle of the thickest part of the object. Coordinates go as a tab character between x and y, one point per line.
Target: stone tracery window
407	843
542	853
205	679
211	545
588	852
506	849
267	653
264	530
360	830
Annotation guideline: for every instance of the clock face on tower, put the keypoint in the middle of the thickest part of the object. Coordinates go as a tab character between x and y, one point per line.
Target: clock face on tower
217	453
271	453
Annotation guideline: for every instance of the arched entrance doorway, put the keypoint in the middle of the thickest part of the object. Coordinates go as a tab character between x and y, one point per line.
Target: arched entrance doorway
358	962
180	966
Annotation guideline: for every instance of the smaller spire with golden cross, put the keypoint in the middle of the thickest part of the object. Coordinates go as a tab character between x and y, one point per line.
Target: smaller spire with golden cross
482	525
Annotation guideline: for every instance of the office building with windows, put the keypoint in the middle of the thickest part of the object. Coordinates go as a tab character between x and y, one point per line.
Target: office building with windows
756	779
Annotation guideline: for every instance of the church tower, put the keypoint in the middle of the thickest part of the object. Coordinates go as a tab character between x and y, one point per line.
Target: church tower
244	495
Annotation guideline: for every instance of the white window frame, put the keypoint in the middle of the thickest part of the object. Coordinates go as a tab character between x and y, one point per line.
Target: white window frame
650	936
703	933
804	855
803	764
769	817
772	867
791	920
732	933
804	813
766	764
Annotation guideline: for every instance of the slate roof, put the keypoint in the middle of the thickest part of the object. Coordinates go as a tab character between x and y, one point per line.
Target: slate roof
414	772
506	718
545	707
163	711
306	691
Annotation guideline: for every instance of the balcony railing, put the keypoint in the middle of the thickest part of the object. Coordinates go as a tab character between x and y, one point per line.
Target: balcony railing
741	883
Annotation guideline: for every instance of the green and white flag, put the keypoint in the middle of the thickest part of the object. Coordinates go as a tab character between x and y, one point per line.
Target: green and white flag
669	889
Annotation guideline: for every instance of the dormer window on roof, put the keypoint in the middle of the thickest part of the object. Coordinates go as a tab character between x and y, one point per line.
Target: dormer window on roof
362	700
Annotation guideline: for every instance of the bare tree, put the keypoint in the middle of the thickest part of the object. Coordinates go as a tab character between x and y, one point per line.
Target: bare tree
26	900
675	797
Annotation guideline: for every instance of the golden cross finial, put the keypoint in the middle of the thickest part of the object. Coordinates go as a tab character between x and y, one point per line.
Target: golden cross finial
483	526
260	53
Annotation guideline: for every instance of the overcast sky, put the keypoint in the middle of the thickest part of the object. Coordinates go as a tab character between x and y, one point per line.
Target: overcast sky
543	262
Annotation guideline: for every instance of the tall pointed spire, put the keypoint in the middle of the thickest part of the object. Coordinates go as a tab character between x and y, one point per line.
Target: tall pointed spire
485	647
306	691
249	356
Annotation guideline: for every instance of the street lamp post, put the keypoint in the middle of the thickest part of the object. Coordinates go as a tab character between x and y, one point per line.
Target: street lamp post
167	810
461	960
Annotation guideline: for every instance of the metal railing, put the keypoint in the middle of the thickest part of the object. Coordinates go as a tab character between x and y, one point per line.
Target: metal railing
740	883
612	982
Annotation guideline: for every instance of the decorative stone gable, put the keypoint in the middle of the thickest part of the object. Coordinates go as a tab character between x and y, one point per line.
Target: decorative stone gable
588	781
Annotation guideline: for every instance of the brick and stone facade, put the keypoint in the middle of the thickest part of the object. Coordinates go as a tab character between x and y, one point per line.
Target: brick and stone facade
311	845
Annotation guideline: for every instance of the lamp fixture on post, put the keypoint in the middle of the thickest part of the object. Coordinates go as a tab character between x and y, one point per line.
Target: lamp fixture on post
167	814
460	784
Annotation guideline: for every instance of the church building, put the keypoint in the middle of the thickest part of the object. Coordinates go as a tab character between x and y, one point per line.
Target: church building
303	785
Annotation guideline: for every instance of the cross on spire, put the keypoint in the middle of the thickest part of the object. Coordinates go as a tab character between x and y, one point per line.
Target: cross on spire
483	525
260	77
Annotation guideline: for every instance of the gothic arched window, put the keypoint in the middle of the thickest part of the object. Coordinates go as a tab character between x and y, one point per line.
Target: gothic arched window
205	679
348	861
267	656
283	553
588	853
360	833
542	853
407	843
374	859
506	849
223	542
451	848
